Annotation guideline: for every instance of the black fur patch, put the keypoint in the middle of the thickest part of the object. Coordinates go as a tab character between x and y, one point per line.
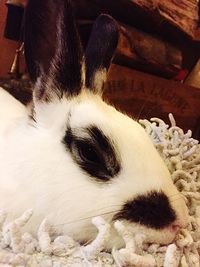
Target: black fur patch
152	210
100	48
69	64
95	154
51	38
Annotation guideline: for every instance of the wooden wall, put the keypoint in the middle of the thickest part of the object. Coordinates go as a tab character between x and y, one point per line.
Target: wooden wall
7	47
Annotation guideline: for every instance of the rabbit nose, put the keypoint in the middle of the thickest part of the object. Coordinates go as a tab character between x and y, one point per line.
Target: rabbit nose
177	225
182	213
174	228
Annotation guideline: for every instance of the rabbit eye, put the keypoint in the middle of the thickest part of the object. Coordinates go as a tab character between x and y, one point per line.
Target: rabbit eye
87	152
95	154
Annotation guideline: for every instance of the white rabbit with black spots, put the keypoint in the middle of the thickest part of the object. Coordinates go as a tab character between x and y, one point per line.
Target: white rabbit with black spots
75	156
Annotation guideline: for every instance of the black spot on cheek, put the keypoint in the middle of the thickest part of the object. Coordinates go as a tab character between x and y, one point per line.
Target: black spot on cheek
152	210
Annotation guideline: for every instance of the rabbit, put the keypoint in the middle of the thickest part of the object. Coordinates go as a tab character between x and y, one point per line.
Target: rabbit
74	156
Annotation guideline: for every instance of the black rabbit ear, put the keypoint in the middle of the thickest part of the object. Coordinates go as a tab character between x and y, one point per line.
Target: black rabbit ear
100	50
52	48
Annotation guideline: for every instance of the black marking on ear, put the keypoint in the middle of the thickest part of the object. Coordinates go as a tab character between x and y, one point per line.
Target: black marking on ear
94	153
52	46
70	57
152	210
100	50
39	43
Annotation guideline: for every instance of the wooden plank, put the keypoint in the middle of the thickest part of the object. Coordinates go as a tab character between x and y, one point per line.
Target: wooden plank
183	14
142	51
147	14
148	53
145	96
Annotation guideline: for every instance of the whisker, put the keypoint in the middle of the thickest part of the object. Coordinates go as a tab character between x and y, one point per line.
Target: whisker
141	110
177	194
96	210
88	242
171	201
149	112
71	189
86	218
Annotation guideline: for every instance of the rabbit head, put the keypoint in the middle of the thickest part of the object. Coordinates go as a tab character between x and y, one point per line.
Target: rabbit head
87	158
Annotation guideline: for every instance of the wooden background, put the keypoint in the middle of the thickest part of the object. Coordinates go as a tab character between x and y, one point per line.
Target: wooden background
7	47
145	96
136	93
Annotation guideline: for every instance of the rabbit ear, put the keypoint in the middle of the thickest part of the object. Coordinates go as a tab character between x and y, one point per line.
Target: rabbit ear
52	48
100	50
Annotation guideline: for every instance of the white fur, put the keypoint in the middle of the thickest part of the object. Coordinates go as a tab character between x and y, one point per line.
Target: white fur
37	171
